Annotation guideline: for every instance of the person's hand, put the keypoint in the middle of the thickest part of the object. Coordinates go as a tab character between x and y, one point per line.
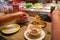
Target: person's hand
55	13
20	13
50	15
23	16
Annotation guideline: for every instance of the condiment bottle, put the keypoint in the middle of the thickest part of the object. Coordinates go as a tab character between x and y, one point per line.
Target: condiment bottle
52	9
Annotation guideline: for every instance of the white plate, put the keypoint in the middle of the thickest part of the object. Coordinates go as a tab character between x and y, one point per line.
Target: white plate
41	37
9	29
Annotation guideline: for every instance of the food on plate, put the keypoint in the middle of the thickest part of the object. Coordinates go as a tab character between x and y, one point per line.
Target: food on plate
39	24
58	4
28	5
37	18
35	33
38	5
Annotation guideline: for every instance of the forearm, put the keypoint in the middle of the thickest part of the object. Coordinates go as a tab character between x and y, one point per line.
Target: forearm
7	18
56	27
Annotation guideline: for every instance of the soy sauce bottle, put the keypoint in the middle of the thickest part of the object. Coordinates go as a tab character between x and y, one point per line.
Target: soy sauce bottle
52	9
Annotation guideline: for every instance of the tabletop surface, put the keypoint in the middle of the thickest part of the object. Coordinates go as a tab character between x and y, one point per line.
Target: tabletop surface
20	34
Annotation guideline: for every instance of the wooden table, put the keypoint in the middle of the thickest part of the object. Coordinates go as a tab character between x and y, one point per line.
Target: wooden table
20	34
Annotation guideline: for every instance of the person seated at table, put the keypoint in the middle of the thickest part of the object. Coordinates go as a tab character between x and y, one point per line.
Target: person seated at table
10	17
